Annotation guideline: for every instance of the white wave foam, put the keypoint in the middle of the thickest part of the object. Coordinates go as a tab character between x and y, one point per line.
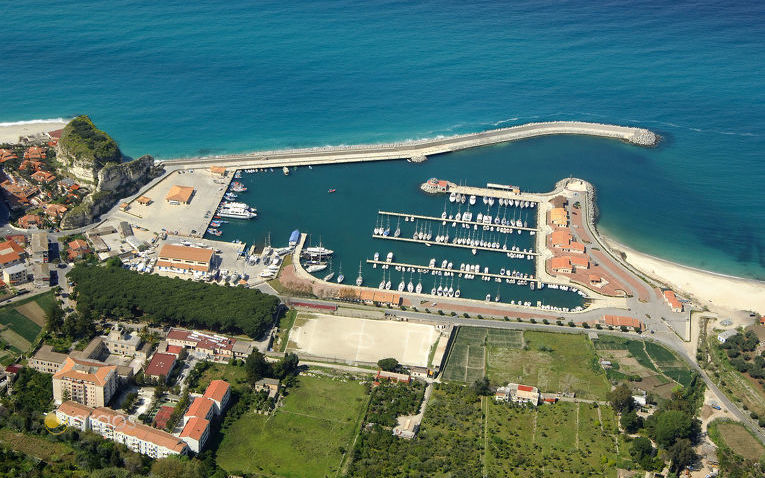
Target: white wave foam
35	121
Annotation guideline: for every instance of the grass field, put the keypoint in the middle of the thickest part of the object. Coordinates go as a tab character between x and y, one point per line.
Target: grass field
36	446
26	318
565	439
738	438
307	437
235	376
552	362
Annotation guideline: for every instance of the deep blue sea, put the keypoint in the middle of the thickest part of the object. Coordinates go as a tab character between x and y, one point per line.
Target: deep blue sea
177	78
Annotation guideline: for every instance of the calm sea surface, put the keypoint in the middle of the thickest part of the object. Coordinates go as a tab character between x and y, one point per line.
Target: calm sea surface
177	79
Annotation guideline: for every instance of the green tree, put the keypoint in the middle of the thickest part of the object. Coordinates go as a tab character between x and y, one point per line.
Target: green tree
621	398
286	367
631	422
681	454
668	426
257	367
177	467
389	364
643	452
482	386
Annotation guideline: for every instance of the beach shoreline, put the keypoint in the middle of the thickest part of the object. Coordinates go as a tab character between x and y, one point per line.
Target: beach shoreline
721	293
10	132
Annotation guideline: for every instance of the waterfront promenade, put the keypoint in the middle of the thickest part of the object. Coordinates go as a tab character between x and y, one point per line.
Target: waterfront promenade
414	150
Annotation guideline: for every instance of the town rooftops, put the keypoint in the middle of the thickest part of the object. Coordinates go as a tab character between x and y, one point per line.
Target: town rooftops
561	237
29	220
217	390
86	370
74	409
560	262
579	261
161	364
619	320
78	244
200	407
9	257
185	253
525	388
182	194
195	428
671	298
11	246
143	200
140	431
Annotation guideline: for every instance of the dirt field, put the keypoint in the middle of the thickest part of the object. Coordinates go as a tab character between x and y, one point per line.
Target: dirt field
362	340
738	438
33	312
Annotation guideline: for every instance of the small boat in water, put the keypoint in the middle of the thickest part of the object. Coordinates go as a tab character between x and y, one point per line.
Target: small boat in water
340	276
214	232
359	279
331	190
286	172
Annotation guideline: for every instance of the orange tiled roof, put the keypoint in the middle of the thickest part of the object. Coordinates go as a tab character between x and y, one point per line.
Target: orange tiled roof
560	263
180	193
561	237
217	390
75	369
195	428
185	253
200	407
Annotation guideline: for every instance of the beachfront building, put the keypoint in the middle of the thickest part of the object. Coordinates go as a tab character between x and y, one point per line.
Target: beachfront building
179	195
87	382
671	299
393	376
623	321
119	428
185	259
46	360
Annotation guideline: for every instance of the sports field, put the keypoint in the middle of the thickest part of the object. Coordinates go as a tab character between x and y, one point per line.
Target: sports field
362	340
307	437
21	322
552	362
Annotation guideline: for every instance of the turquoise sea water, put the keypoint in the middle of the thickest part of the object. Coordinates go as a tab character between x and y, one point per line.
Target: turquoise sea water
180	79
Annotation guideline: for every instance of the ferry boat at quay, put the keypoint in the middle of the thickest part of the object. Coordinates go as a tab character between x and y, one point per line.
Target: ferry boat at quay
237	211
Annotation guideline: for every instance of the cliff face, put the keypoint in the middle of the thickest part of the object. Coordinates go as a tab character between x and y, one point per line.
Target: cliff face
84	149
115	181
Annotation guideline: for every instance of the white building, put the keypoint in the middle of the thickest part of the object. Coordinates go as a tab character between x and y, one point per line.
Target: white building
722	337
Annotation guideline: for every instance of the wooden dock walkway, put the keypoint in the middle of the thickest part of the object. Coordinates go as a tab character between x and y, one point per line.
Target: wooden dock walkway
449	244
458	221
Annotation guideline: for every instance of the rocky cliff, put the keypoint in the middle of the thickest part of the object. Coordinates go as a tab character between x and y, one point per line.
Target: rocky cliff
115	181
84	149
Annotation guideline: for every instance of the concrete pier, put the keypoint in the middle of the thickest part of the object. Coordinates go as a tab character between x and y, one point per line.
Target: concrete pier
458	221
449	244
419	149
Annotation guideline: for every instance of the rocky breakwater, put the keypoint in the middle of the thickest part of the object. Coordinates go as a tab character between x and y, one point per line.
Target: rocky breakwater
92	157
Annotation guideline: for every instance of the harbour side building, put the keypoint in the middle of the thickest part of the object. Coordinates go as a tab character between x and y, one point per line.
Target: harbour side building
185	259
83	381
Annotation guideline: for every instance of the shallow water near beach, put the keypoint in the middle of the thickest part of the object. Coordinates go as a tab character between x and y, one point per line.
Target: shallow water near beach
174	79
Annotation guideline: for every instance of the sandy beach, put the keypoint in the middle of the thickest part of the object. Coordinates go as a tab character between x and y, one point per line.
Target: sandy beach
10	132
720	293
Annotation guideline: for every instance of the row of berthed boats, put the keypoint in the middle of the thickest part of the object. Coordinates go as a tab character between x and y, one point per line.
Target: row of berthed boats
456	197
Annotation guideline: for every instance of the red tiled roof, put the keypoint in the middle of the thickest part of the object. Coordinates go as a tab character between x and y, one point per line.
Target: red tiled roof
160	365
174	349
525	388
163	415
560	263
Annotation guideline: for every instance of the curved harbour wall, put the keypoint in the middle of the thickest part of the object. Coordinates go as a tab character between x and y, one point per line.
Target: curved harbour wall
420	149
